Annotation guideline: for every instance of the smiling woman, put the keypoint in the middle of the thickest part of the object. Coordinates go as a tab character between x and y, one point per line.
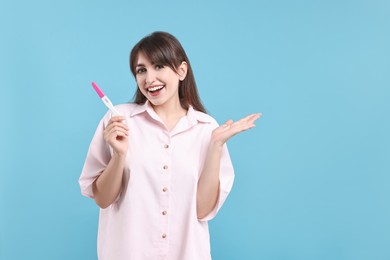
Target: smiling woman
164	50
159	83
162	170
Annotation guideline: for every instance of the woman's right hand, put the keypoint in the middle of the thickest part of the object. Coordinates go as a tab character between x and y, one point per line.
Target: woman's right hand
116	135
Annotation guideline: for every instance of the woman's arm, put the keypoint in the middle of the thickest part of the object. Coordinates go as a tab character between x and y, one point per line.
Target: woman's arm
107	186
208	184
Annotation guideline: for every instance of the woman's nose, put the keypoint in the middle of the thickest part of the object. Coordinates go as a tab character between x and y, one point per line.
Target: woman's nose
150	77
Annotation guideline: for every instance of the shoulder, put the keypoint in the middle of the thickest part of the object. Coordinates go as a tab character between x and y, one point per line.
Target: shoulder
204	118
125	110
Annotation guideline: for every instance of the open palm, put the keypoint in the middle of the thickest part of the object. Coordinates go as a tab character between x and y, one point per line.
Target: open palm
229	129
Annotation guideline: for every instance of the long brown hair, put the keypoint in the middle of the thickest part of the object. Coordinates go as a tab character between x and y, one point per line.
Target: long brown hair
164	49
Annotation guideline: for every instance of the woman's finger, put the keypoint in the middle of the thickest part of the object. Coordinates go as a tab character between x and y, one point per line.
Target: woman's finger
249	119
117	119
248	122
230	128
227	123
115	125
118	132
114	131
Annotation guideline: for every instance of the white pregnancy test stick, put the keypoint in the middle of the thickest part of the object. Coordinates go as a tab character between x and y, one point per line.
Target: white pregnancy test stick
105	100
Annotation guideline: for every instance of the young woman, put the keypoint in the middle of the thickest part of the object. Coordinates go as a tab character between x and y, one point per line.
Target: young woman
161	170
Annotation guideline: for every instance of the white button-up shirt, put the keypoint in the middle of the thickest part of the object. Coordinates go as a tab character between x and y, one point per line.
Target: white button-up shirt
155	217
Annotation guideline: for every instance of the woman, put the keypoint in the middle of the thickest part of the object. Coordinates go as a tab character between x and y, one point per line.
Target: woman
161	170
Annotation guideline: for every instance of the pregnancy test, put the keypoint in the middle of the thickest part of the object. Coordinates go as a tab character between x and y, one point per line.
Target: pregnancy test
105	100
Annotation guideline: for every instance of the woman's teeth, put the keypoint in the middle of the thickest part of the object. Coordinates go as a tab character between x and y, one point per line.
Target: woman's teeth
153	89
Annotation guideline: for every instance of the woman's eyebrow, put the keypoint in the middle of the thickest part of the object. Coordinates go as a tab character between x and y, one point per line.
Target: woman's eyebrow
140	65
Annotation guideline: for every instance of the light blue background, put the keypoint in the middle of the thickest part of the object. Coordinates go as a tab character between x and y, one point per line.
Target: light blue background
312	179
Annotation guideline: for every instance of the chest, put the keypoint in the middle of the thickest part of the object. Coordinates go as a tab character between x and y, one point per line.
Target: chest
154	151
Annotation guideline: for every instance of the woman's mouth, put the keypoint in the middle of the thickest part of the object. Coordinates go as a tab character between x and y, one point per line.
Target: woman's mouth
154	91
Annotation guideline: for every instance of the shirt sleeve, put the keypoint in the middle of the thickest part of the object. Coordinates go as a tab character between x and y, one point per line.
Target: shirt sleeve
226	179
98	157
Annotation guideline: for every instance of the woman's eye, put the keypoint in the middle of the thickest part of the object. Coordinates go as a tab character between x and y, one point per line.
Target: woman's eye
141	70
159	66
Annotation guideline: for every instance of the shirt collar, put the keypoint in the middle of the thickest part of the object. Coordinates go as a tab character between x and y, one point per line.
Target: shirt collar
193	116
141	108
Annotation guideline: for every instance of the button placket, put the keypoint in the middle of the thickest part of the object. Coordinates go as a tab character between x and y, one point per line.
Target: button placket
165	178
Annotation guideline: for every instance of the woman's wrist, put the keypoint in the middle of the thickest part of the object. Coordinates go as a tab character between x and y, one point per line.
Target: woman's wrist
215	146
120	156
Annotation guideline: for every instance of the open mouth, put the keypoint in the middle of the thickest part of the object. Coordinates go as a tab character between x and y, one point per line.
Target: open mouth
155	89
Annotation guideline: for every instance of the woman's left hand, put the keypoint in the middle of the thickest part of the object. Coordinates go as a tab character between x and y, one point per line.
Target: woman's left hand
229	129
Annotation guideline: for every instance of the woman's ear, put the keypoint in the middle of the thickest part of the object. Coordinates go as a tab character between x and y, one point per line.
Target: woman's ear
182	70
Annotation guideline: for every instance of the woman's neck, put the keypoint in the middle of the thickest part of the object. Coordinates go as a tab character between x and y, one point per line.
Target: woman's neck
170	113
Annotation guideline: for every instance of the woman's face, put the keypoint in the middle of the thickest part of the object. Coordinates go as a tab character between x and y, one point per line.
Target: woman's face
159	83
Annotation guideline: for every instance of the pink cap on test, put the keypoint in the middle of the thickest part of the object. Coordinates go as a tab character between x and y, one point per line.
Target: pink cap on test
98	90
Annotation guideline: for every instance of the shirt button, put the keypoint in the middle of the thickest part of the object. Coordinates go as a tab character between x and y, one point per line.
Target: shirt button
164	212
166	146
164	235
165	167
165	189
